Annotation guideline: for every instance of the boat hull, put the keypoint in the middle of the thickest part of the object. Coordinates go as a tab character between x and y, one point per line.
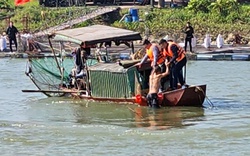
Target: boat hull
191	96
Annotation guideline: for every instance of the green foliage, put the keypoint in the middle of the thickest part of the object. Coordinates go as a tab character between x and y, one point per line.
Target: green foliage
84	24
161	22
222	7
6	4
52	16
221	16
6	9
225	7
199	5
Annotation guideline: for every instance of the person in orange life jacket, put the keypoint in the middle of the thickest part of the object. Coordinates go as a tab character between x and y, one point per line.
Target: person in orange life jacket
156	57
177	61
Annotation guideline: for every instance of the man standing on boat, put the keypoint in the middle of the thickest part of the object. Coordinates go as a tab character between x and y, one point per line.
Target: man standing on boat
82	54
177	61
155	56
154	85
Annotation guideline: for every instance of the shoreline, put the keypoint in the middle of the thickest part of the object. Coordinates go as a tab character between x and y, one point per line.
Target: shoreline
228	52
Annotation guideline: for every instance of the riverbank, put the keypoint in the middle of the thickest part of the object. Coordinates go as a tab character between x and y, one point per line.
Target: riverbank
157	22
228	52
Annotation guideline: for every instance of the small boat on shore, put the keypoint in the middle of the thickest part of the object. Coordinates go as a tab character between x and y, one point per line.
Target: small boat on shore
119	82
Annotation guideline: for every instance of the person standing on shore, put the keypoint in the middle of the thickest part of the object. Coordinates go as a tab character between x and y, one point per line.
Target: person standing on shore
12	32
189	30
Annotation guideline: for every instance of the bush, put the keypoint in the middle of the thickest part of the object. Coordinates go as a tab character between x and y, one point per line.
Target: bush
35	13
199	5
161	22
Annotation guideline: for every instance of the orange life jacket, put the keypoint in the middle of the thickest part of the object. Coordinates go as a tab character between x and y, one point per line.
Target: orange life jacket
181	52
160	59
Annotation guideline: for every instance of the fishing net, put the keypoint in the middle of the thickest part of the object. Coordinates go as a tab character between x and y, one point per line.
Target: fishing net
46	75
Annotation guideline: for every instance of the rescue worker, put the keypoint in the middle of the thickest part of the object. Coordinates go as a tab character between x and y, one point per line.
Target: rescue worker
154	85
177	60
156	57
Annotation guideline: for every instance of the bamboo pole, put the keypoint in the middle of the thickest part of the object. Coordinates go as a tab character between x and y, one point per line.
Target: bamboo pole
53	51
53	91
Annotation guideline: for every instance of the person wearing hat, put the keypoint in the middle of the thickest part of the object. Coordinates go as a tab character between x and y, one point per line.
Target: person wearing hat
177	60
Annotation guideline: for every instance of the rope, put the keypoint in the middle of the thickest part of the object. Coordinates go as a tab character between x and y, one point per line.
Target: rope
208	100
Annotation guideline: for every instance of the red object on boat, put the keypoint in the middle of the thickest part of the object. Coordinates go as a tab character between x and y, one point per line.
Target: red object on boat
160	97
138	98
20	2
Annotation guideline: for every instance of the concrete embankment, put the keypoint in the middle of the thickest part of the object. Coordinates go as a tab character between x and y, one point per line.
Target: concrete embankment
229	52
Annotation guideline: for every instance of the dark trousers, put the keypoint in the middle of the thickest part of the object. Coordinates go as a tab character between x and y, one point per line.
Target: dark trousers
164	79
190	43
15	42
152	100
176	73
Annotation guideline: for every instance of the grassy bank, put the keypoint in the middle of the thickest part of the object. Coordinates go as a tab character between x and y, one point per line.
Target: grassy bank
159	22
167	21
40	18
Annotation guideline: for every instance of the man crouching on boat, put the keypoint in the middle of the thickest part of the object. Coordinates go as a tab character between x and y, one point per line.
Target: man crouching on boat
154	85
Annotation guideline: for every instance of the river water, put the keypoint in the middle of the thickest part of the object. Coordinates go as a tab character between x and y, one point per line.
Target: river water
32	124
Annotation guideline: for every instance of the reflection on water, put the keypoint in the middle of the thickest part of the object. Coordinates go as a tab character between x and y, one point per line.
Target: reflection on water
165	118
134	117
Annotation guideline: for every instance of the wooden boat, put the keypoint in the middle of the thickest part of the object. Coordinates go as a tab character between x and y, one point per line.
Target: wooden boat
119	82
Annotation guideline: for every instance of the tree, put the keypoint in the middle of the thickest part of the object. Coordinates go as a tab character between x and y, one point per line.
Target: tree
199	5
6	10
5	5
224	7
